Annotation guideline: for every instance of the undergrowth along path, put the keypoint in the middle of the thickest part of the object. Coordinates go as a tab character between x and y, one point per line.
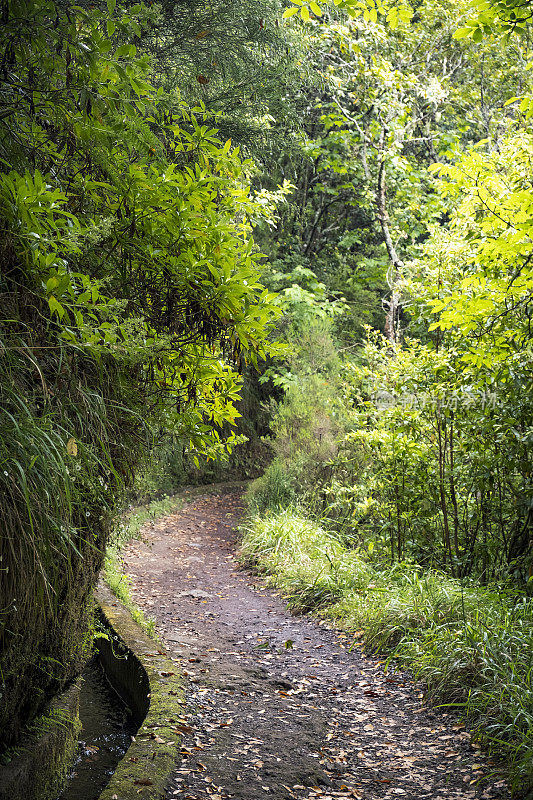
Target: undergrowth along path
280	706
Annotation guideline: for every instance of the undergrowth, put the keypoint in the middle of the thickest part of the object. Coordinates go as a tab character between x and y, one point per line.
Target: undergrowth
130	528
473	646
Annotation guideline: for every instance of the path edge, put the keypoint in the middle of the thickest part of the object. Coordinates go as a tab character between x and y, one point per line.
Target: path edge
139	669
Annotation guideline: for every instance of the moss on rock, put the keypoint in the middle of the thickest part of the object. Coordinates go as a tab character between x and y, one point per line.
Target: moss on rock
146	678
39	765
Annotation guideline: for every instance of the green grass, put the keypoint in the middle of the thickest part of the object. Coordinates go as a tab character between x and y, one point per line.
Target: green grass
272	491
473	646
130	528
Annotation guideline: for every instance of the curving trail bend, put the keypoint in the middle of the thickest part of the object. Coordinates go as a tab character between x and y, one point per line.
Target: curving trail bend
279	706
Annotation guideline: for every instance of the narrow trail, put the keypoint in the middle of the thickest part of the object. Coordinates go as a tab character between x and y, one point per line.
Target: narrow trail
278	706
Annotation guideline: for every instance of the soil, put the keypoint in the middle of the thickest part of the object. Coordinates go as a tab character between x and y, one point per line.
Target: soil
280	706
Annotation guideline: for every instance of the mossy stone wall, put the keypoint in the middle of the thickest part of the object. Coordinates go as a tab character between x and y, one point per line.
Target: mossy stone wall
41	761
148	680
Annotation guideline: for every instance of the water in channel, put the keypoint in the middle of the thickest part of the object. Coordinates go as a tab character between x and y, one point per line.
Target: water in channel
105	736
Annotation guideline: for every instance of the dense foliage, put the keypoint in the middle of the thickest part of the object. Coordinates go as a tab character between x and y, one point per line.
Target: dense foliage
391	193
411	442
130	299
428	429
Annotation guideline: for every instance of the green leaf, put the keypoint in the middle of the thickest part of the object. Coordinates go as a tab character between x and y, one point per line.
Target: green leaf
123	50
462	33
56	307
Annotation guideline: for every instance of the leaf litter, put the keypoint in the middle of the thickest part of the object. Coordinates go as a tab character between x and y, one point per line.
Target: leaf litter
281	706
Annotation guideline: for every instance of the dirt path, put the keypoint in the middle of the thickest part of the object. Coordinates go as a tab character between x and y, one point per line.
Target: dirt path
279	707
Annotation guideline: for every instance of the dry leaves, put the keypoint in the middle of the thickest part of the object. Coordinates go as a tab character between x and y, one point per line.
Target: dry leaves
305	715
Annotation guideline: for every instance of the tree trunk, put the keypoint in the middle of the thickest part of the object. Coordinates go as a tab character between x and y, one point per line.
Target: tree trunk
396	263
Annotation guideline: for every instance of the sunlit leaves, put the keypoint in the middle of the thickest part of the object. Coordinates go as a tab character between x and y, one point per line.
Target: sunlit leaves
369	10
135	225
503	17
487	283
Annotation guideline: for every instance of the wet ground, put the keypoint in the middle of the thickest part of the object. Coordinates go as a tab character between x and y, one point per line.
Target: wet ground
104	738
282	706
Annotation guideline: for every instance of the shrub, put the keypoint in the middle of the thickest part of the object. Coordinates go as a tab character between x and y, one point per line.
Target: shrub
273	490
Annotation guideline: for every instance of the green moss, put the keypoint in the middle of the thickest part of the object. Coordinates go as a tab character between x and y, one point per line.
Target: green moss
39	765
152	687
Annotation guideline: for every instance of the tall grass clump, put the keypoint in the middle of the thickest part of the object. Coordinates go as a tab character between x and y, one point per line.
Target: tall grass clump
273	490
307	562
66	446
472	645
484	667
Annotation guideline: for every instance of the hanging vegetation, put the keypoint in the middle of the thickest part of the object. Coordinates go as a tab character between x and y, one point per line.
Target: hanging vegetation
130	299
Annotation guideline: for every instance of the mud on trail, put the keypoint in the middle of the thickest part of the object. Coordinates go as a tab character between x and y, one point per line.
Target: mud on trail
279	706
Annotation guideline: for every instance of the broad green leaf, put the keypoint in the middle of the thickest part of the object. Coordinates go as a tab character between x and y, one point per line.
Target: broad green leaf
462	33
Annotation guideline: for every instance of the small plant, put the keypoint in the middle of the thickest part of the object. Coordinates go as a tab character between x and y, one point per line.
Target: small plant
50	720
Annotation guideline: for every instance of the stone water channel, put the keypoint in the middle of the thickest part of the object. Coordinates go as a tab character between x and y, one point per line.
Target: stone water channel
107	728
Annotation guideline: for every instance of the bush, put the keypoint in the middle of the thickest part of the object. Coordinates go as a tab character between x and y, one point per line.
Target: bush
272	491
